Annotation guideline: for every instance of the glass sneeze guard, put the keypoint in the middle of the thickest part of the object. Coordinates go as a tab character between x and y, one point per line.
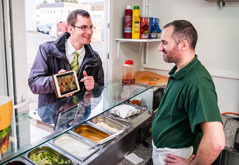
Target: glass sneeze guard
53	120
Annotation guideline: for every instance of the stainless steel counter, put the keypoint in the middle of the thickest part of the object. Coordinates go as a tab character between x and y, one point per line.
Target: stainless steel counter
126	143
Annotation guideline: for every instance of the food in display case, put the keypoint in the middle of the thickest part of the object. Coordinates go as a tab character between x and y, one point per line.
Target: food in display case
91	133
109	124
45	155
74	146
107	147
106	126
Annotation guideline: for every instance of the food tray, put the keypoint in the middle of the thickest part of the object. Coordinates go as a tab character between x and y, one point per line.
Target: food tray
83	148
19	161
108	124
91	133
16	162
51	151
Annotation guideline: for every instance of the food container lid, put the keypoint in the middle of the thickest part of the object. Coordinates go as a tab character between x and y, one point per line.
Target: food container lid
128	6
136	7
130	62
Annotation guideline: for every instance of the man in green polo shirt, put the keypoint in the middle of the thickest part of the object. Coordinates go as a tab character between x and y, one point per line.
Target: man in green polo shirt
189	103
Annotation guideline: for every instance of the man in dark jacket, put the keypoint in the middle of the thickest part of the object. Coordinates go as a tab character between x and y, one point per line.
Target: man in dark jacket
57	57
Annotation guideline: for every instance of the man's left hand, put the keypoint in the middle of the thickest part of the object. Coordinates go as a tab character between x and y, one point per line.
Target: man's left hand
88	81
173	159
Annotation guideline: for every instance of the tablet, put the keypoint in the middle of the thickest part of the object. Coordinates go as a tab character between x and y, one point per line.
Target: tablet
66	116
65	83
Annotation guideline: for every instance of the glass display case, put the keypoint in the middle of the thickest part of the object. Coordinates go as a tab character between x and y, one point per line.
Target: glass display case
32	129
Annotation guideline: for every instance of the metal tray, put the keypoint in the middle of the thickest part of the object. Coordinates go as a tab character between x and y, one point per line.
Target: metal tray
53	152
109	122
79	152
16	162
19	161
91	133
99	128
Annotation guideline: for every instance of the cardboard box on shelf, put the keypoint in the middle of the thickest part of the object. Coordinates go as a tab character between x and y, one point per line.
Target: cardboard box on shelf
144	27
154	28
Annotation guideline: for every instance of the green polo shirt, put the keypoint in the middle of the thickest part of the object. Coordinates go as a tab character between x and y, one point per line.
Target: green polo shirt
189	99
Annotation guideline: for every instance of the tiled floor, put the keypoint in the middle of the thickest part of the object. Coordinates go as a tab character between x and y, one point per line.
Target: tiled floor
142	152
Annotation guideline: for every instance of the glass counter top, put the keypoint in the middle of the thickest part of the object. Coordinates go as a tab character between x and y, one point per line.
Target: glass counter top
32	129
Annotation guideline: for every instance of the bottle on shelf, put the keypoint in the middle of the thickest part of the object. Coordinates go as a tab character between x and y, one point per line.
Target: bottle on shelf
128	22
128	72
136	23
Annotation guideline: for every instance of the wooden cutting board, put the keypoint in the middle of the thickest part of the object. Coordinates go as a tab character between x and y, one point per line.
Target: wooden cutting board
150	78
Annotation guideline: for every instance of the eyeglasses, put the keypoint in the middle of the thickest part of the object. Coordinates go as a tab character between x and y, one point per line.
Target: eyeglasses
85	28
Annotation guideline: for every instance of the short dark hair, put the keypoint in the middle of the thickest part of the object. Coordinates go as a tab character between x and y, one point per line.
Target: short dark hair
71	19
184	30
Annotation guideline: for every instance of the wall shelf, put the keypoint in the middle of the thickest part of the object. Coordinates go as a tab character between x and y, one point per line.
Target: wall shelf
145	41
137	40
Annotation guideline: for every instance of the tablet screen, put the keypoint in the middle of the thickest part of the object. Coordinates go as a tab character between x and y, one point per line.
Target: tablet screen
66	83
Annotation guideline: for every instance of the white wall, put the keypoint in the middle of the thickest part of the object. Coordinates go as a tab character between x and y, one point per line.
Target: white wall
128	50
217	47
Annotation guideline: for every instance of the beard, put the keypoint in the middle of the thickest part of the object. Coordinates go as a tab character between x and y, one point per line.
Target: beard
170	56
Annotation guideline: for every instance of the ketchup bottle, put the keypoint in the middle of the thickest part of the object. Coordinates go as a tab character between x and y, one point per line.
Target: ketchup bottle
128	22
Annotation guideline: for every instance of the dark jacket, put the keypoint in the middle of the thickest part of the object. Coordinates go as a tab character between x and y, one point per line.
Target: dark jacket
50	59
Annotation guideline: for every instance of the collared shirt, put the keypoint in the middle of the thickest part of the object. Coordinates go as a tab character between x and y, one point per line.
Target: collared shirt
189	99
70	50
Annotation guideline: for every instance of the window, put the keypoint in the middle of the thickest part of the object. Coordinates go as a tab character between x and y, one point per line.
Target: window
46	30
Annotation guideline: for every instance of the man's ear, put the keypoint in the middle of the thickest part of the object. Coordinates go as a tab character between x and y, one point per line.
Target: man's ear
183	45
70	29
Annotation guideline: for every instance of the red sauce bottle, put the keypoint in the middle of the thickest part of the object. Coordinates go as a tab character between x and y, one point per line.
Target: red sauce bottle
128	22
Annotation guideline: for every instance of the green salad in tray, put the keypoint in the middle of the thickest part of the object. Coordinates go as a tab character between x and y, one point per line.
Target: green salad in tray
46	158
